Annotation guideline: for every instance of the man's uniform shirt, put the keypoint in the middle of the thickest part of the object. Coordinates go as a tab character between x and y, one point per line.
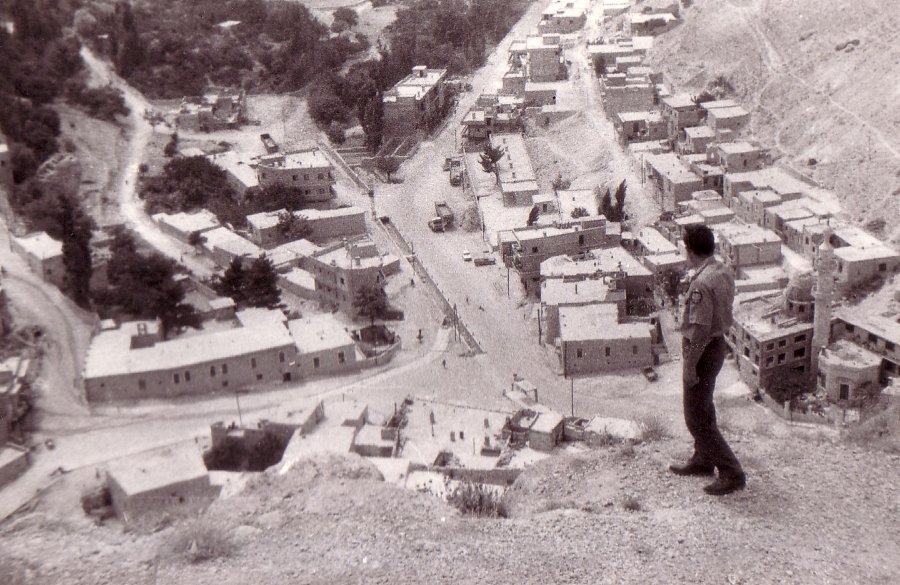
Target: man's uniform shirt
710	299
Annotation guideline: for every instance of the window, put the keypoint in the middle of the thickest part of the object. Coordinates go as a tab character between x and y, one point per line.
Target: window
578	353
294	177
281	356
142	385
177	378
769	361
321	176
607	351
802	308
212	371
581	240
534	249
259	376
224	383
342	280
844	392
253	363
341	357
782	342
882	267
770	346
746	352
781	358
800	338
873	338
850	328
321	191
224	368
315	362
187	376
305	176
633	350
889	346
799	352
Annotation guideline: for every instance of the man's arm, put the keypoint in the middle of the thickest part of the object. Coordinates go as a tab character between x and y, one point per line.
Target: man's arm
696	337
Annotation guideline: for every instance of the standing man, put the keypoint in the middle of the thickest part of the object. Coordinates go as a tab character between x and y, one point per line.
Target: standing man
707	317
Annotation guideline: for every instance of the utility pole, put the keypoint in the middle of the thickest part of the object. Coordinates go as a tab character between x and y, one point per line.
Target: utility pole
540	332
507	282
573	395
237	399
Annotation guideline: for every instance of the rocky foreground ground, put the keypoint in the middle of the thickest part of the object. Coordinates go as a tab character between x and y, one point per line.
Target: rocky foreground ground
813	512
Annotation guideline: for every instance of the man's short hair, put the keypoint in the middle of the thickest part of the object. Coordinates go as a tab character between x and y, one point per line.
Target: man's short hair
699	239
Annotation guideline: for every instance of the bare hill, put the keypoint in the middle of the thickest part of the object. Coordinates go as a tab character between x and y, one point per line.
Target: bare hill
813	512
821	77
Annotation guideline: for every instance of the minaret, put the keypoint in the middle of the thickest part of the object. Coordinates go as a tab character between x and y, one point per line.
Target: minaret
824	295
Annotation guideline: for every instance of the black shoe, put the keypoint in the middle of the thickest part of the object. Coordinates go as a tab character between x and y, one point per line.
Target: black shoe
726	485
691	468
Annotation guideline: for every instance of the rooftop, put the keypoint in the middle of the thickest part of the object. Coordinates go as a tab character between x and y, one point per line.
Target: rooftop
727	113
230	242
741	147
604	260
537	42
597	322
197	221
671	167
291	251
152	470
679	101
649	116
417	84
40	245
557	291
264	219
712	104
741	234
110	353
654	242
694	132
764	318
301	278
306	159
769	177
318	333
237	166
845	353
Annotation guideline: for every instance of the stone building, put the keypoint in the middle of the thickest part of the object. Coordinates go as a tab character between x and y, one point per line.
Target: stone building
308	170
415	103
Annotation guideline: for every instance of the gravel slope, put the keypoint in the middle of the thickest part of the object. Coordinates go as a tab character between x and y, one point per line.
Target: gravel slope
813	512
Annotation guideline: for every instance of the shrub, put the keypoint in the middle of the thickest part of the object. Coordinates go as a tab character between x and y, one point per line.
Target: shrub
201	540
579	212
654	428
477	500
335	133
631	503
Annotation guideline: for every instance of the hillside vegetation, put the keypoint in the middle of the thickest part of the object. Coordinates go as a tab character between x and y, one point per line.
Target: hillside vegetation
821	79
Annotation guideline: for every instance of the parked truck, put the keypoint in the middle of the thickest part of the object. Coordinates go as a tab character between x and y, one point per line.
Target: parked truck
455	166
443	217
270	145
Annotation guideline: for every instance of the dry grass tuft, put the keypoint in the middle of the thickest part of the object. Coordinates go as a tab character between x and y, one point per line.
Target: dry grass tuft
201	540
654	428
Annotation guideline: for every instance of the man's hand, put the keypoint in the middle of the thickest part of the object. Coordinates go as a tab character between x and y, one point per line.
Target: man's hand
689	375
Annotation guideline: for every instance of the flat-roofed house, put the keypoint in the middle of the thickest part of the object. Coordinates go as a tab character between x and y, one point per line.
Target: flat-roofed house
545	58
240	172
592	340
874	327
308	170
737	157
729	119
680	112
162	479
323	346
672	180
43	255
183	225
747	245
612	262
640	126
564	16
223	246
416	102
342	270
557	293
133	361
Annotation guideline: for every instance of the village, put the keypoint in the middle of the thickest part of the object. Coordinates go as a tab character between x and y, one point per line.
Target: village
473	308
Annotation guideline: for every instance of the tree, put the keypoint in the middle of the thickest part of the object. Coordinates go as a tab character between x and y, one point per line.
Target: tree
293	227
76	249
606	206
620	201
387	165
335	133
489	158
196	239
560	183
173	313
370	301
533	216
579	212
371	117
346	15
261	284
600	66
231	283
171	146
705	96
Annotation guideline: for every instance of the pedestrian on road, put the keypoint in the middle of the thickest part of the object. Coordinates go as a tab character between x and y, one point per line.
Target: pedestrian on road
707	316
444	363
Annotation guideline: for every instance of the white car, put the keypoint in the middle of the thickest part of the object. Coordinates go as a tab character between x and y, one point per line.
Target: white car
467	256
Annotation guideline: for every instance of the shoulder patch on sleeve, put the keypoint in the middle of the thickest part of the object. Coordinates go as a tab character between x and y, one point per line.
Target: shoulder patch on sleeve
696	297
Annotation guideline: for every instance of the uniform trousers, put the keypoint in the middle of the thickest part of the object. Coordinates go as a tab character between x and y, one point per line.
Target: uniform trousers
710	447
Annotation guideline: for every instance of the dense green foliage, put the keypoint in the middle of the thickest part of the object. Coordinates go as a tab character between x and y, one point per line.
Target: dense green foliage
451	34
76	238
171	49
104	103
255	286
144	286
371	302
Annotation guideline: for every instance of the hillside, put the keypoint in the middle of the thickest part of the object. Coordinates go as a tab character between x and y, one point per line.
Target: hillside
821	79
813	512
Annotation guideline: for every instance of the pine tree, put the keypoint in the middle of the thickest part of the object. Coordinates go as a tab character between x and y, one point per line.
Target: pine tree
261	284
490	156
606	206
620	201
533	216
231	283
76	249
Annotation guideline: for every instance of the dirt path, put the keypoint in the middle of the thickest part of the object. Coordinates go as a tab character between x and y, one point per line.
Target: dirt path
131	206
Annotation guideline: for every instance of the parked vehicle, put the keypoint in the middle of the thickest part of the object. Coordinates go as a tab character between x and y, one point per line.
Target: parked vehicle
455	166
270	145
484	259
436	224
467	256
443	211
650	373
